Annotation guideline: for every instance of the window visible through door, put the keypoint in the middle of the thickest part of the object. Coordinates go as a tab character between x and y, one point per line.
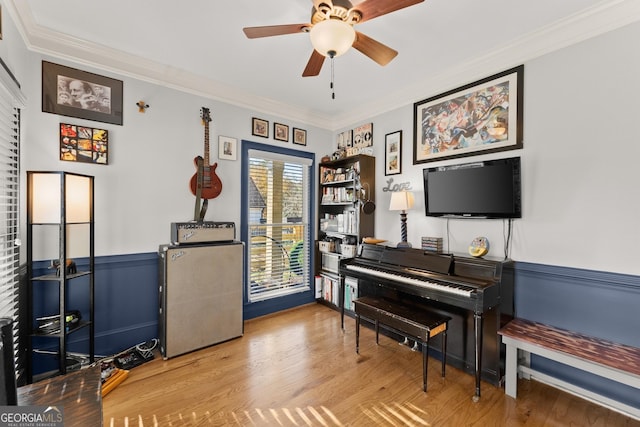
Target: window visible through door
278	229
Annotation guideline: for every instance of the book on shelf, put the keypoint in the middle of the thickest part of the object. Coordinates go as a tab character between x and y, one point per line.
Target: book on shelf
326	288
350	292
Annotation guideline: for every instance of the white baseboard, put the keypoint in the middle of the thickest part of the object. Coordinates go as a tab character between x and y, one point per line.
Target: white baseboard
607	402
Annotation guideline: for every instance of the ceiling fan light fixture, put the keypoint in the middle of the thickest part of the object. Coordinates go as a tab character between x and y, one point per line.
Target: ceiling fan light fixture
332	37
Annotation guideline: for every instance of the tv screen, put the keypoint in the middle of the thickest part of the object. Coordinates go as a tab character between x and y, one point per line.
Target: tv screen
487	189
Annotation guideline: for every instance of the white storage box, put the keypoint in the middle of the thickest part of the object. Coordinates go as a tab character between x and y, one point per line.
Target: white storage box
331	262
348	251
326	246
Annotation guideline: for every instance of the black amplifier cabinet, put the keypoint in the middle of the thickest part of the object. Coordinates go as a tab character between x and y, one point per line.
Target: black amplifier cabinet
202	232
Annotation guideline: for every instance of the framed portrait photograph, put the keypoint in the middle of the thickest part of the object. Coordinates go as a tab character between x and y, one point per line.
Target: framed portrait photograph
84	144
393	153
281	132
299	136
76	93
227	148
478	118
260	127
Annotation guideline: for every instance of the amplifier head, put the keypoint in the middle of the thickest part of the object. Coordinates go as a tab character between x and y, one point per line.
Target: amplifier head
202	232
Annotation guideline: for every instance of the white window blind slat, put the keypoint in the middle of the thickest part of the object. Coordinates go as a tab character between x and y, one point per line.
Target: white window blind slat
11	99
278	225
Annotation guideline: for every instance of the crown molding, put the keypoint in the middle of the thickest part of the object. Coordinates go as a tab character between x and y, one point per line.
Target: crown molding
606	16
58	45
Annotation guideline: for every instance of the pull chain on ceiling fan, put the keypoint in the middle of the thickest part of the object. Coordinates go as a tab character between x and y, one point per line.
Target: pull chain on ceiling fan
333	91
332	31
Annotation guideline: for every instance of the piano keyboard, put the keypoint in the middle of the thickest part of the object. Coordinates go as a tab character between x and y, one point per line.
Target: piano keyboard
452	288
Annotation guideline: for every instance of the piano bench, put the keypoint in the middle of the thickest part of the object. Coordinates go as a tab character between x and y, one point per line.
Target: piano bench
617	362
411	321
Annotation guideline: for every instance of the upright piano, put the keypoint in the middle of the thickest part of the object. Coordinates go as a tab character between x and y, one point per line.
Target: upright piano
476	293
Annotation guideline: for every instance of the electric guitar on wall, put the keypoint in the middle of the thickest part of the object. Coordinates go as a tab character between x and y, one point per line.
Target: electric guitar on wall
208	184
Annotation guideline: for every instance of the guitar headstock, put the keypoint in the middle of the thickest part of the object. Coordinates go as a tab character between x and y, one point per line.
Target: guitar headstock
205	115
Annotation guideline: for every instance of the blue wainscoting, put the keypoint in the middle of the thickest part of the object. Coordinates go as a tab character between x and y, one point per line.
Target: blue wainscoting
125	303
601	304
596	303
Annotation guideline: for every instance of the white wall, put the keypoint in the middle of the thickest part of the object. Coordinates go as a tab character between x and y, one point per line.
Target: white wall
580	159
145	187
580	196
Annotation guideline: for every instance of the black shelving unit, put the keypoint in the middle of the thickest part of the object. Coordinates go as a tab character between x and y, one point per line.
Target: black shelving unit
346	185
59	207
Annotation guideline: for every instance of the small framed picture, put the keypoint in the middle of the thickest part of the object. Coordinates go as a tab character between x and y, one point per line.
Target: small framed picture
299	136
83	144
344	140
260	127
363	136
393	153
281	132
227	148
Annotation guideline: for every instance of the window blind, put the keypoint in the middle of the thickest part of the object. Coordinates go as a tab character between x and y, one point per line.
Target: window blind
10	102
278	225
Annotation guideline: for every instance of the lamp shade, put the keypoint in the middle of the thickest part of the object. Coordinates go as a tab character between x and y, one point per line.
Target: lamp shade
401	201
46	190
332	37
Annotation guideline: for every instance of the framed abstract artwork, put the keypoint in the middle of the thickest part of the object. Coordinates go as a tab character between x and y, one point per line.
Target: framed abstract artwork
481	117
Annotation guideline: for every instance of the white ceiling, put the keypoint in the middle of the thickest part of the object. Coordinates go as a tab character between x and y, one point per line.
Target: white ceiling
198	46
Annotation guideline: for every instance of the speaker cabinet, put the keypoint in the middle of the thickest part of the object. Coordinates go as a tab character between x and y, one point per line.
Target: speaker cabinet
200	296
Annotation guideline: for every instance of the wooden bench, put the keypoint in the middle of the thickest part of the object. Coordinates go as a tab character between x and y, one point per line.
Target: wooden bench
607	359
413	322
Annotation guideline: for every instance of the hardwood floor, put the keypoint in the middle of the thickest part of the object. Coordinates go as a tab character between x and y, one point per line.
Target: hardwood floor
298	368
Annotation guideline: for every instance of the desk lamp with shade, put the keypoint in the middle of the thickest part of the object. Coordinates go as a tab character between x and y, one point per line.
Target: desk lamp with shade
402	201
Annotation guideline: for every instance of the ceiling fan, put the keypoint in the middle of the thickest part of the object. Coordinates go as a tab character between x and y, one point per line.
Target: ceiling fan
332	33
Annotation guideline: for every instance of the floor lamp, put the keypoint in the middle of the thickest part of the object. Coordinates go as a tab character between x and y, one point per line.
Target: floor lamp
402	201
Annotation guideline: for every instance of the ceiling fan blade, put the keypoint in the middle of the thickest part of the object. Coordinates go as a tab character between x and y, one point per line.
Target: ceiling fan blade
373	8
274	30
375	50
314	65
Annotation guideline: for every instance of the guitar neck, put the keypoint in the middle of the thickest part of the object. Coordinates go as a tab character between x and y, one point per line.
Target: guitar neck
206	144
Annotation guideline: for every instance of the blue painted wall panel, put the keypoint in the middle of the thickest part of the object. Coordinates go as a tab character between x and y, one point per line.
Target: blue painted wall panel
594	383
595	303
126	305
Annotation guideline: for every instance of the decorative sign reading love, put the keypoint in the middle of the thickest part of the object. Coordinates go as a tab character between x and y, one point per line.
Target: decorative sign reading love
397	187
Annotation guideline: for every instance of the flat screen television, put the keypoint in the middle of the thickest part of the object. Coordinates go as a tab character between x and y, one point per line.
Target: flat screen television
486	189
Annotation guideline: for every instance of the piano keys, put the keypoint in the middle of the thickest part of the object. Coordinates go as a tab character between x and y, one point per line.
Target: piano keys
416	278
477	293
